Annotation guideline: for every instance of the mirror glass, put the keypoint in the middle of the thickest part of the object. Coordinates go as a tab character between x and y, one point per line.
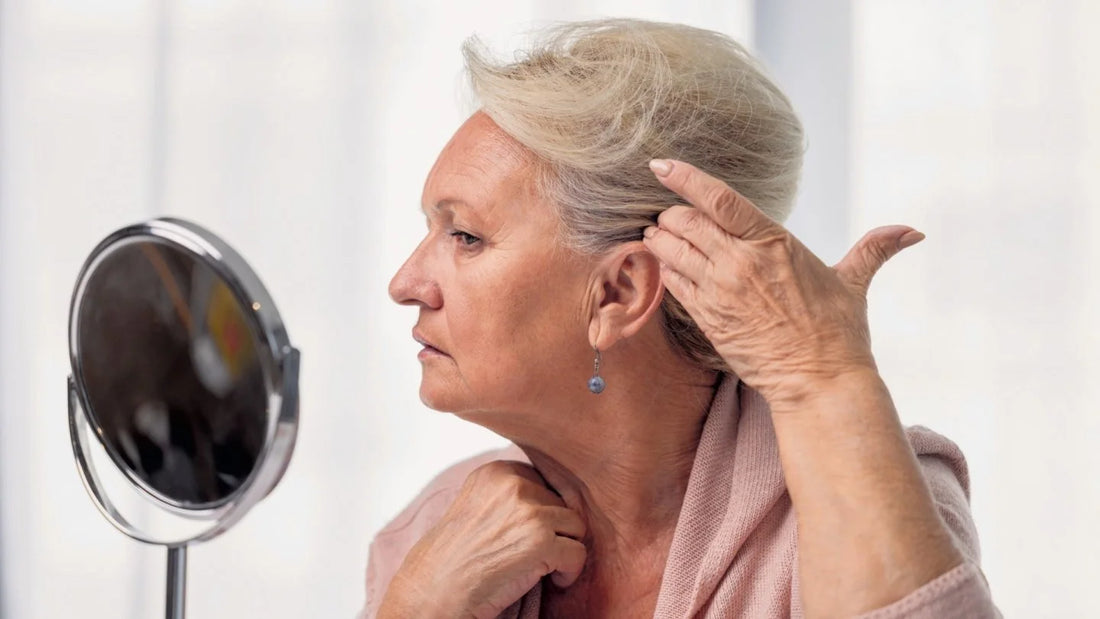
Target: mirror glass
170	364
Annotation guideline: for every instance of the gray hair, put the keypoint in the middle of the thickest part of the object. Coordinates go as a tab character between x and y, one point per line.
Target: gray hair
595	101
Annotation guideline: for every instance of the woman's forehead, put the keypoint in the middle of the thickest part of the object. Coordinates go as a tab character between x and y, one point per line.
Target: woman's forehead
480	162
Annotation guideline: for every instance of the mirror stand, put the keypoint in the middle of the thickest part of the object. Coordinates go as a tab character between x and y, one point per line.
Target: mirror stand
176	587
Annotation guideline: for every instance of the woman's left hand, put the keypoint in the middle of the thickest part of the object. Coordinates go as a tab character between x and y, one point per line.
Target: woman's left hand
780	317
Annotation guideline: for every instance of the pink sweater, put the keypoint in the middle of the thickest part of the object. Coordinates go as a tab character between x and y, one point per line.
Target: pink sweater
734	550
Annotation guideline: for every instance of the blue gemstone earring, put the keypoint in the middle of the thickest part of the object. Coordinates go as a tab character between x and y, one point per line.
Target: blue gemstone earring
596	383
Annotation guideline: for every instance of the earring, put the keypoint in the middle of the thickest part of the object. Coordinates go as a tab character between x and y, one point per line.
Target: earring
596	383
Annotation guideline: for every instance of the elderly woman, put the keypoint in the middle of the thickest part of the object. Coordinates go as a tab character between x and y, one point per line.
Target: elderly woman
699	427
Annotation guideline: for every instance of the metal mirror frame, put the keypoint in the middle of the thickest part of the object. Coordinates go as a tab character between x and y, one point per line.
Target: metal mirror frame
280	366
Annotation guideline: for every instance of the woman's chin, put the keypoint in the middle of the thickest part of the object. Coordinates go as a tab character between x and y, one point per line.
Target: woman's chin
446	399
438	398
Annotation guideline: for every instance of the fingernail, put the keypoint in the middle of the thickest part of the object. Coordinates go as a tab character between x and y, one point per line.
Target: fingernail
910	239
660	167
649	232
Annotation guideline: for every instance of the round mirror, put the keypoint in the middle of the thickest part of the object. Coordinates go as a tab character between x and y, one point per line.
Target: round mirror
183	386
170	369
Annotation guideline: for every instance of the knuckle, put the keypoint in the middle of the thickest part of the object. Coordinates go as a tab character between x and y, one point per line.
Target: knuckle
877	252
719	196
691	219
665	218
527	516
682	252
538	537
517	488
675	217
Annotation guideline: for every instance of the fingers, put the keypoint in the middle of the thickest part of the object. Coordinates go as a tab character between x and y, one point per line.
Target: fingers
565	522
697	228
679	286
567	561
872	251
732	211
675	252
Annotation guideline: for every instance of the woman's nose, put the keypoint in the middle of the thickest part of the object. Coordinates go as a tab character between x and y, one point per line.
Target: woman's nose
413	285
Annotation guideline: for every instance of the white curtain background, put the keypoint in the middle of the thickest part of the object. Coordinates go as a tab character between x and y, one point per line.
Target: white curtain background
301	131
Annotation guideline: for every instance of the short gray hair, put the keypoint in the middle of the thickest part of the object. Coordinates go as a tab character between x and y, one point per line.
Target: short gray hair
594	101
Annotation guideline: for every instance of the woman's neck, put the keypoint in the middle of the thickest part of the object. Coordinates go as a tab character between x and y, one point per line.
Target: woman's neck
624	467
622	460
623	477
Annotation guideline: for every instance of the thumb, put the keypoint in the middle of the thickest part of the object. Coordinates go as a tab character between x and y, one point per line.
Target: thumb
872	251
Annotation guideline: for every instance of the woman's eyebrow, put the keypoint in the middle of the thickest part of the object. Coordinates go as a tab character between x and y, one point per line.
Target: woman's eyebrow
447	204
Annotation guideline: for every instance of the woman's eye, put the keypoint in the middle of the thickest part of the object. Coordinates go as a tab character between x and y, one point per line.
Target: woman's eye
465	238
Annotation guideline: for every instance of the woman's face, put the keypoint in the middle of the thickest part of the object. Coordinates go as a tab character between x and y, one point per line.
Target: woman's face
501	300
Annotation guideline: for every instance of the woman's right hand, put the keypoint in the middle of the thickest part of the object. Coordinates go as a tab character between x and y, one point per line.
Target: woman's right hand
503	533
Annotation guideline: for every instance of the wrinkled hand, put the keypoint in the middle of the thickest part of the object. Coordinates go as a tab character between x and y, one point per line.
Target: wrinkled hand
780	317
504	532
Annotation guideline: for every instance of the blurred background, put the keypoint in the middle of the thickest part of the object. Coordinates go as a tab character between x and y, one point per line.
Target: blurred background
301	132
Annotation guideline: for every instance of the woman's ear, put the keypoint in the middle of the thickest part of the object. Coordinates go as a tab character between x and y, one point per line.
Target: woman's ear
628	292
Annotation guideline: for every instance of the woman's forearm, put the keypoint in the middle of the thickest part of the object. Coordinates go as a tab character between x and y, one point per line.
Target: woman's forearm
869	532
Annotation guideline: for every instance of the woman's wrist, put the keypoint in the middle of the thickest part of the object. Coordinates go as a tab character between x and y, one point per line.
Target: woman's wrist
812	390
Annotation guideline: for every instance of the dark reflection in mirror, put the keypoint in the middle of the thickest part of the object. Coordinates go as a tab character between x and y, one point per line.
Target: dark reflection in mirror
171	372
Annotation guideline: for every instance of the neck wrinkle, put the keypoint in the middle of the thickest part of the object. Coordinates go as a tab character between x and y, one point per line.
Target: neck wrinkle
627	473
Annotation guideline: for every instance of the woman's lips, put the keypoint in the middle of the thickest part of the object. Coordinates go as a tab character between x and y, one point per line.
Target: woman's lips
428	350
